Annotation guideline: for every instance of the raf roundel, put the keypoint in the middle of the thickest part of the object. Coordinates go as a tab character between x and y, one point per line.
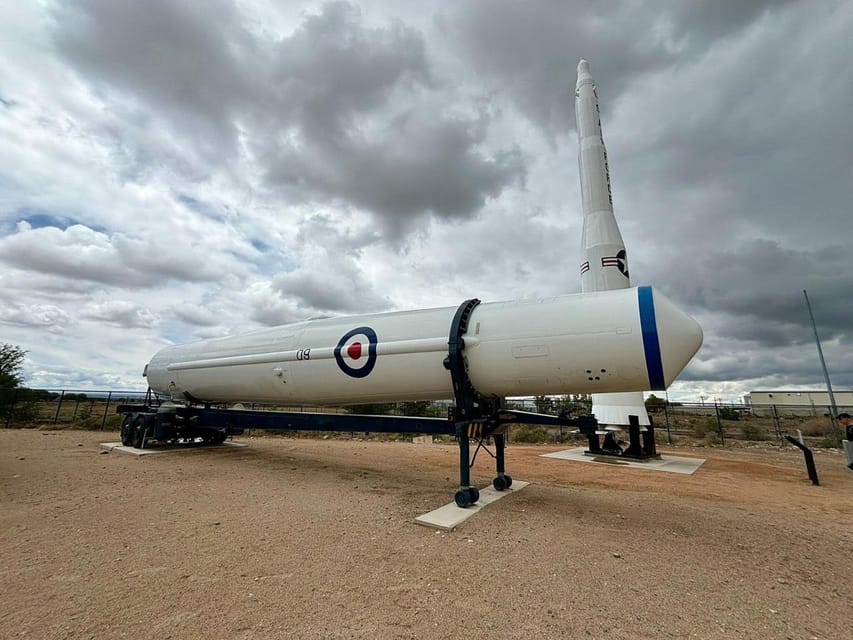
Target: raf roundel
356	352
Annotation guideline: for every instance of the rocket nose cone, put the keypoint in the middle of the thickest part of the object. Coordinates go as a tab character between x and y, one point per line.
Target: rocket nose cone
678	337
583	72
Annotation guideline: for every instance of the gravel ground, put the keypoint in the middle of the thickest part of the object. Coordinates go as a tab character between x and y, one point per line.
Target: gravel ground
299	538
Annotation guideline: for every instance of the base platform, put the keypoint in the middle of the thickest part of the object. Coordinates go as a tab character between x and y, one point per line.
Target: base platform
450	516
167	448
670	464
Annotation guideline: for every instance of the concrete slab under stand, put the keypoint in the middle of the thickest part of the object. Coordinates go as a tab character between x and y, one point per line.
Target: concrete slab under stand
166	448
670	464
450	516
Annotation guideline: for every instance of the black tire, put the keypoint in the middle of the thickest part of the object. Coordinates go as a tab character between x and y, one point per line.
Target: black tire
127	431
219	437
475	494
508	480
499	483
139	432
462	498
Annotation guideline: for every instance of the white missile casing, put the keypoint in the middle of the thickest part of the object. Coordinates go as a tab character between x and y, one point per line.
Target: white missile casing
628	340
605	265
605	261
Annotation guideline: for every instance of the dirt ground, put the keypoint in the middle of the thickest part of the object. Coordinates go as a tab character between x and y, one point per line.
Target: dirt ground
299	538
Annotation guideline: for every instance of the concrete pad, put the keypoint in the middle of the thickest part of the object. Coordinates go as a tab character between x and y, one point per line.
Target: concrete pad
450	516
166	448
670	464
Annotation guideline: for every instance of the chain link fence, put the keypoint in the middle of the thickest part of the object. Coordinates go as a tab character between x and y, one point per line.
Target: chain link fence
675	422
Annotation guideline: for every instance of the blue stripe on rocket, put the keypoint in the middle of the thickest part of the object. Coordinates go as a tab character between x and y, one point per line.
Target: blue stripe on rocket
651	344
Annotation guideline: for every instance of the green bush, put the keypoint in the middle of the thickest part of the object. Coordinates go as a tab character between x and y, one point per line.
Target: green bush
729	413
529	434
752	432
703	427
828	442
711	439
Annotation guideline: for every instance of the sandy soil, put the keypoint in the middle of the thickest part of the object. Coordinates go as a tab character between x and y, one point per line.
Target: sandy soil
298	538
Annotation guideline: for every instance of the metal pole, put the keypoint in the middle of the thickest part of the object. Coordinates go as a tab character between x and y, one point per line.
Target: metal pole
106	409
834	411
809	459
58	406
666	415
719	422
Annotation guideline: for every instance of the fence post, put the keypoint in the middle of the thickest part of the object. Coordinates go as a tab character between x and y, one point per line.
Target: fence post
776	426
106	409
666	415
58	407
719	424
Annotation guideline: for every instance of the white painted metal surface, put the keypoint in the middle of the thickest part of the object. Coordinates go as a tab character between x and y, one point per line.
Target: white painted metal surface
604	260
631	339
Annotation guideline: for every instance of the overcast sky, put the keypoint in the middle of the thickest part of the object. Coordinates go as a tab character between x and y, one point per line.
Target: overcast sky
178	170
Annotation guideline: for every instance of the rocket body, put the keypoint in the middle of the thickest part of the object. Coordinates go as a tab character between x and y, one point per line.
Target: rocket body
604	265
631	339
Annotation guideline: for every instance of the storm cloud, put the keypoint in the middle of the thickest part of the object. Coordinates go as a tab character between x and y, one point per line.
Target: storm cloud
173	171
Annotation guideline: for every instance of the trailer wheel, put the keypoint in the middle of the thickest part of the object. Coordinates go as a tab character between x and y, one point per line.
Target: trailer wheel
139	432
127	430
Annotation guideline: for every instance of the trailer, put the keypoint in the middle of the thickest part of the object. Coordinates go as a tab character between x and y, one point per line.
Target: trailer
483	423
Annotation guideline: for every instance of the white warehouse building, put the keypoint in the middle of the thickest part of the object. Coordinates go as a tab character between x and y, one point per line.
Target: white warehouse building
798	401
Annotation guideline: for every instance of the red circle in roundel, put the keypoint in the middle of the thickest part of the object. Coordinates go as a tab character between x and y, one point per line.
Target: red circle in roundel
354	350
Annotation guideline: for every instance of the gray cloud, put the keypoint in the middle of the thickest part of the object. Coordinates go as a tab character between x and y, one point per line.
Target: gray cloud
188	59
335	112
223	165
120	313
46	316
529	50
81	253
194	315
759	285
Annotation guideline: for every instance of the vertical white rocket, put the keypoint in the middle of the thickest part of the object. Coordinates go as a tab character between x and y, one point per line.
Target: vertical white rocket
604	262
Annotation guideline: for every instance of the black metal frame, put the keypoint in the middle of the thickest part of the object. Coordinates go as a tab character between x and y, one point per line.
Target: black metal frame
808	457
478	417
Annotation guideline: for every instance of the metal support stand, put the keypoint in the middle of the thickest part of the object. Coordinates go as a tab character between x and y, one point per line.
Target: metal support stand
809	459
464	457
635	449
467	409
641	444
649	445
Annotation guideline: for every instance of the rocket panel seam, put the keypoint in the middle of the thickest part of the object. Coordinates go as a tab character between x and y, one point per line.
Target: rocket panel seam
421	345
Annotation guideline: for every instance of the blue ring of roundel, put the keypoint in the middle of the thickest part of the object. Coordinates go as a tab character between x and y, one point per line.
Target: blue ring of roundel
364	371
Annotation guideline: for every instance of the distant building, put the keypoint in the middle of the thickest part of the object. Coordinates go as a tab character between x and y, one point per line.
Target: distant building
797	402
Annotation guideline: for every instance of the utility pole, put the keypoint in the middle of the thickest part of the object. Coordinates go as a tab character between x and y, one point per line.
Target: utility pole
832	406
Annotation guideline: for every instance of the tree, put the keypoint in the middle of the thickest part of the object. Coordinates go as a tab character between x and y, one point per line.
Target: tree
653	403
372	409
11	359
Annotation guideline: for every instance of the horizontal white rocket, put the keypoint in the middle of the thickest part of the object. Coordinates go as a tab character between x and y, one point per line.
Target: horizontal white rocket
604	261
626	340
